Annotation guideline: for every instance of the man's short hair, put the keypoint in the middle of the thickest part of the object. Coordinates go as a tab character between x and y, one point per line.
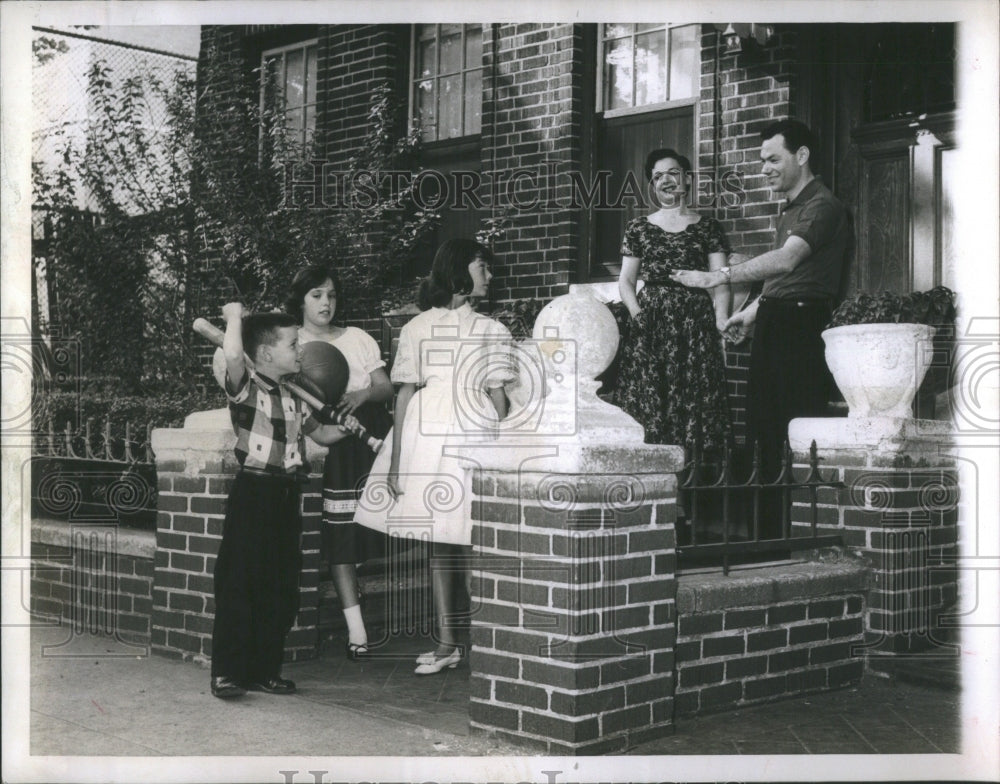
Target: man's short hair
795	134
261	329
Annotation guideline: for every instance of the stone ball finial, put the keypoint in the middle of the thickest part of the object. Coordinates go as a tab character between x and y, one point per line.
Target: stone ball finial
585	325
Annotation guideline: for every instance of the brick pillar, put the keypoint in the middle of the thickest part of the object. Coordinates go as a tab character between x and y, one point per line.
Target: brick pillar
898	510
195	467
574	617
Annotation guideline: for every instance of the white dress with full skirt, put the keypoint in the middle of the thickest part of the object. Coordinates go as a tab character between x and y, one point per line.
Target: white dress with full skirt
455	357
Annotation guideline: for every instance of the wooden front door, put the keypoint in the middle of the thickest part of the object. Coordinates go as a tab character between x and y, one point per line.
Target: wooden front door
881	98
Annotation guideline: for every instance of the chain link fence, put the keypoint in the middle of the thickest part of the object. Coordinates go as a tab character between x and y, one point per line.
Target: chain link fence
63	110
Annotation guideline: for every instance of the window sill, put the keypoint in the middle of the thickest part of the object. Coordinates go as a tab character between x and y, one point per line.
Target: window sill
610	114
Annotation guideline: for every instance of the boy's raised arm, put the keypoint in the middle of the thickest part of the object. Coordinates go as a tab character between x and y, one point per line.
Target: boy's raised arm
232	345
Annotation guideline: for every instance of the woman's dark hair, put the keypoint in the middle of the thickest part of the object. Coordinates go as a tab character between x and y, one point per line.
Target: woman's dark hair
306	280
659	155
450	272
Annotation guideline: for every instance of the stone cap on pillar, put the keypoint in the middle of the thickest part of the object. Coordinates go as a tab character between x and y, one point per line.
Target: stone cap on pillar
557	456
876	435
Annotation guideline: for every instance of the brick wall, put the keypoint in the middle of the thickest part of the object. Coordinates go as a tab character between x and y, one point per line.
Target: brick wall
753	91
573	629
352	60
763	634
531	120
97	577
900	513
193	486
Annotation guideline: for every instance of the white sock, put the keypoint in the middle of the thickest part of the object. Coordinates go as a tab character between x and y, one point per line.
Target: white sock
355	625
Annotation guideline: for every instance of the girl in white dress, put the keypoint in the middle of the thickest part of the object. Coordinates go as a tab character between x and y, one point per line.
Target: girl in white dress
451	365
314	295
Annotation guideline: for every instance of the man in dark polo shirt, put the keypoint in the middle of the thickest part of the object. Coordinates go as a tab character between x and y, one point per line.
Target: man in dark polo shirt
788	373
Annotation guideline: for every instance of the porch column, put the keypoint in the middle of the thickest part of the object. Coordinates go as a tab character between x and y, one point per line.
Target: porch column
898	511
574	615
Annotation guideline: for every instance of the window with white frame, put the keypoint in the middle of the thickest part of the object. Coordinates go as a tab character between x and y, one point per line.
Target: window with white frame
648	80
288	88
644	65
447	80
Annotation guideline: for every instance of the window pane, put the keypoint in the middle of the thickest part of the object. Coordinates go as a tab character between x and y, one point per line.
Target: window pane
651	68
617	30
295	78
685	61
425	113
311	75
449	107
473	101
451	48
426	65
642	28
474	46
618	74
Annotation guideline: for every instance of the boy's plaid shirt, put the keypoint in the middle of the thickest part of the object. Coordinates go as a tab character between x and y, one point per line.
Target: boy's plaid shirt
270	425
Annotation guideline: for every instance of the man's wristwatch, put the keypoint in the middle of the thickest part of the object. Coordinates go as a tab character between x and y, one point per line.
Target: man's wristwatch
727	273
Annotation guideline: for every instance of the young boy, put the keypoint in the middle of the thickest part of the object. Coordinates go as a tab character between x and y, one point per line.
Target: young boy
257	569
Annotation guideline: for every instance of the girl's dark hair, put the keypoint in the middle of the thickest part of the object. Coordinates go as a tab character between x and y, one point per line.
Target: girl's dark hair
659	155
306	280
450	272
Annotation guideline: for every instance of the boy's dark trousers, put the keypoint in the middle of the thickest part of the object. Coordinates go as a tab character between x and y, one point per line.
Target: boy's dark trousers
257	577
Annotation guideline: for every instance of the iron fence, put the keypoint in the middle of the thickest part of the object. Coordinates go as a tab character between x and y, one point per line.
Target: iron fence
724	518
93	475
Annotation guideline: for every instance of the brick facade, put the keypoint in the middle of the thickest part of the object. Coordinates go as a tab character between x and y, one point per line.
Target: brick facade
537	90
531	116
740	95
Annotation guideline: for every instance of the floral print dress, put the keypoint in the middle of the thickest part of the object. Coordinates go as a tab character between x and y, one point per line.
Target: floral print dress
671	377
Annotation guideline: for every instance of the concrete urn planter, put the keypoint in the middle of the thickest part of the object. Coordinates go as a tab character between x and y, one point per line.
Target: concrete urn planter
879	367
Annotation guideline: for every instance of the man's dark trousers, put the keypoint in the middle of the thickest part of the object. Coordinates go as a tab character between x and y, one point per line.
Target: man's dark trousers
788	379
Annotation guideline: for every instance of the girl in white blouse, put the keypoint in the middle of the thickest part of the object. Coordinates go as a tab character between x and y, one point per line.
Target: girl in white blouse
314	296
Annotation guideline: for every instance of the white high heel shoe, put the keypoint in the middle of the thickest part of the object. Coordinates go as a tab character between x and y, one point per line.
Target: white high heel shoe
450	662
426	658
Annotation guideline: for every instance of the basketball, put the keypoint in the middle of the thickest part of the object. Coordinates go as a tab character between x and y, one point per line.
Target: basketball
324	371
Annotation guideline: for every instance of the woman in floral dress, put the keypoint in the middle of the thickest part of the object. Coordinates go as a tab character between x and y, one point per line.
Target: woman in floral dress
671	376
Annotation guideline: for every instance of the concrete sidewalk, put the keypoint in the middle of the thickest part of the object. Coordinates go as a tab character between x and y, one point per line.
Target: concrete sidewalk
93	695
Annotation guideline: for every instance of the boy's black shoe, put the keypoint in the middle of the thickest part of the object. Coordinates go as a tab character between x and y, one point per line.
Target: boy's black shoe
225	688
273	686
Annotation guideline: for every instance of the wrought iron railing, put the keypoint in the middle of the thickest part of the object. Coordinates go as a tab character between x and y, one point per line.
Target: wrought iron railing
722	516
91	444
90	474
